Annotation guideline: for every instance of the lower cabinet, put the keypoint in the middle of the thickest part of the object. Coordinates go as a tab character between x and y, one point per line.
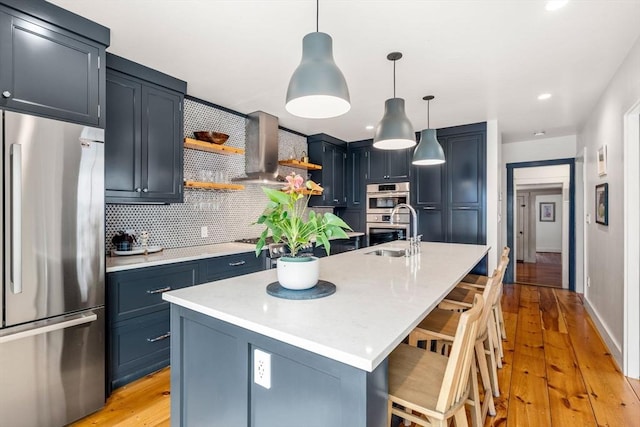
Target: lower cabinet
138	318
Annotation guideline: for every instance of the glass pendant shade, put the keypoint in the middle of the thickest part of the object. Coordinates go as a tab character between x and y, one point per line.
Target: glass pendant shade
395	131
429	151
317	89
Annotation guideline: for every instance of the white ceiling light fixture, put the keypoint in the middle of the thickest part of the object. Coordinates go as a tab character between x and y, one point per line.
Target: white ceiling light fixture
429	151
553	5
539	133
317	89
395	131
369	127
544	96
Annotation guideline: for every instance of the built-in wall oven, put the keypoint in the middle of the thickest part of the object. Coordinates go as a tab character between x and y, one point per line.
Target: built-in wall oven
381	199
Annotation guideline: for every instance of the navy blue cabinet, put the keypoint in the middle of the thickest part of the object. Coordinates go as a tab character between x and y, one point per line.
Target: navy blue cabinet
331	153
451	198
138	318
48	67
144	134
388	165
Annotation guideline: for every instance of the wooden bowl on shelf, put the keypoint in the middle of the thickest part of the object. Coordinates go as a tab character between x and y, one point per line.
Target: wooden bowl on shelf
213	137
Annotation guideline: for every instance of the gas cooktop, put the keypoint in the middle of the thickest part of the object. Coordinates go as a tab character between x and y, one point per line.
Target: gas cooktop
254	240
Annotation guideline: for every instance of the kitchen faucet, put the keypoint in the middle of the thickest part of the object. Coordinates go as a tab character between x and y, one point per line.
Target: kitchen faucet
414	242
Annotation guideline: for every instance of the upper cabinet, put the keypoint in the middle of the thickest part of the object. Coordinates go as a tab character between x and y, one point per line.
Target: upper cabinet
51	66
144	134
451	198
357	175
389	165
331	153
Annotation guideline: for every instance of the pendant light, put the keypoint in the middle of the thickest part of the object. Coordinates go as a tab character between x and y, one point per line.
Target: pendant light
429	151
395	131
317	89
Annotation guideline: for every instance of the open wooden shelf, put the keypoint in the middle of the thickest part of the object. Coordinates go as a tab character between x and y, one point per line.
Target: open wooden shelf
194	144
300	165
212	185
311	192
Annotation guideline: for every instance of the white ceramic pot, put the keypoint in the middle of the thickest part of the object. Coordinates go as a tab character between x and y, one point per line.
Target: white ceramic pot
298	273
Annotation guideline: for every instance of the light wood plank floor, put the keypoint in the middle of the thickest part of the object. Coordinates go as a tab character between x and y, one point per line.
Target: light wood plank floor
557	372
546	271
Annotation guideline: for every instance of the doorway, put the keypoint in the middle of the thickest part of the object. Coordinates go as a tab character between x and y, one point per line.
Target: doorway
568	202
541	227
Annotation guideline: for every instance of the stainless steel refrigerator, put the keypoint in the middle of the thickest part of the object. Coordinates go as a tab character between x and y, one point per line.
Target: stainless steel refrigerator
52	335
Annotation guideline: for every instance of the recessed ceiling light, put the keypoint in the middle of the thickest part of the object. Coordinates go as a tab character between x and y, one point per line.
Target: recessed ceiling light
369	127
555	4
539	133
544	96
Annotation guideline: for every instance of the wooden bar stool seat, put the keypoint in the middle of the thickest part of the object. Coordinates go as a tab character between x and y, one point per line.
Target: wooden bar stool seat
433	385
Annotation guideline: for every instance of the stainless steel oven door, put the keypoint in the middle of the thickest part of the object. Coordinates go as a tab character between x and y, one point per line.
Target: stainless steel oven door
384	232
382	198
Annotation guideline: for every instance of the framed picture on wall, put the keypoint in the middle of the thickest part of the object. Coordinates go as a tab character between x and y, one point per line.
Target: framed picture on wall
602	160
602	204
548	211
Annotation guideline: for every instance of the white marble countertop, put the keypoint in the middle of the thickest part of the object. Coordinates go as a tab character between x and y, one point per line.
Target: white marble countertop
378	301
190	253
168	256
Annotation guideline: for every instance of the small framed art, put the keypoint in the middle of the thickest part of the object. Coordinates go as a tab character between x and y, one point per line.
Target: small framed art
602	160
602	204
548	211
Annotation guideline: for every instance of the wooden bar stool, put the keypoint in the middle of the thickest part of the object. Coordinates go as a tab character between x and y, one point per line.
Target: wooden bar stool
440	325
478	281
433	385
463	293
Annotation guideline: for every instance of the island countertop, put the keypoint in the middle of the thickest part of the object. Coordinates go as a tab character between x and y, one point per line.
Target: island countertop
378	301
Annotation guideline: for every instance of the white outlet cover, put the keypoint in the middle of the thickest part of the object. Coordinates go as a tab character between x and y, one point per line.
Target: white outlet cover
262	368
204	231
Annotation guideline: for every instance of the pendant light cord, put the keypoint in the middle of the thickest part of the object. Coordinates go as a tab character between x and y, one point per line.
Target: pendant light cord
317	16
394	78
428	115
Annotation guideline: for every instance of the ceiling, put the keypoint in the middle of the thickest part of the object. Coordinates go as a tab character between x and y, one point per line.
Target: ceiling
483	60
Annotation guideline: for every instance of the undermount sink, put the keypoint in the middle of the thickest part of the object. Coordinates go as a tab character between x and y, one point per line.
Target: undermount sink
395	253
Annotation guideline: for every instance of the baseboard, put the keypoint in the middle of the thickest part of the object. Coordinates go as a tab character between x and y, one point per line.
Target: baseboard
614	347
552	250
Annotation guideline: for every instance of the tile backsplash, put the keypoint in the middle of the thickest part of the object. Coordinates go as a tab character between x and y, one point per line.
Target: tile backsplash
228	215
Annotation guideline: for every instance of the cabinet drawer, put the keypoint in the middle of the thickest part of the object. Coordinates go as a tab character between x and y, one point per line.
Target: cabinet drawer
139	292
139	346
230	266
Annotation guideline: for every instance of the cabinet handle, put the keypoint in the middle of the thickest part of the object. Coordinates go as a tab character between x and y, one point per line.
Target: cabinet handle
335	200
159	338
159	291
6	94
464	207
145	190
429	208
236	264
138	190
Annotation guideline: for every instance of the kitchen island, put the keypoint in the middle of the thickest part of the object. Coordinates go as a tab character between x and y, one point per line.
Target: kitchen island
327	356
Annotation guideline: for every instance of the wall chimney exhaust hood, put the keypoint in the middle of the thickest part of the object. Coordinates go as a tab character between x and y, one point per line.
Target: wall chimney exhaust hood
261	150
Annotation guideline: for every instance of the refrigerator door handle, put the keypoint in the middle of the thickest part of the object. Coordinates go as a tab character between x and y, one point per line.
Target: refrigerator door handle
16	218
76	320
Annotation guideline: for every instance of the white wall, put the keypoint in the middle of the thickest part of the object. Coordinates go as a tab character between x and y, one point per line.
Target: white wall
605	244
549	234
493	191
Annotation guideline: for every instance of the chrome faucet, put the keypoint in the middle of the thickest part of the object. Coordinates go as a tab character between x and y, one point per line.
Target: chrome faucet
414	242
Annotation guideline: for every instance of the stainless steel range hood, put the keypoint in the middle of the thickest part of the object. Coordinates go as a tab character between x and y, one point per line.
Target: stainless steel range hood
261	150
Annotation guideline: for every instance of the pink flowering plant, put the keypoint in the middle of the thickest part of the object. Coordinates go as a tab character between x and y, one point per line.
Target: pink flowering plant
285	213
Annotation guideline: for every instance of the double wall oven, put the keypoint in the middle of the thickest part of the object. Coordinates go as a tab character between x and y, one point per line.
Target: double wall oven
381	199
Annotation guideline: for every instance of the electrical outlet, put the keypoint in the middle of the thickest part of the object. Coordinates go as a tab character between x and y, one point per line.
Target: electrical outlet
588	282
262	368
204	231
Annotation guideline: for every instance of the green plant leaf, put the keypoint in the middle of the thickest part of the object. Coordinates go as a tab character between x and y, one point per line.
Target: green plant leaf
277	196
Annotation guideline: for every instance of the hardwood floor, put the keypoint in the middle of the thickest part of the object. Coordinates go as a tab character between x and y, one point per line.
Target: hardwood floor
556	372
546	271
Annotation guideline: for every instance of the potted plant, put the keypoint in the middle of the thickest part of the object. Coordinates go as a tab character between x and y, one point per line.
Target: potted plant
288	219
123	241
